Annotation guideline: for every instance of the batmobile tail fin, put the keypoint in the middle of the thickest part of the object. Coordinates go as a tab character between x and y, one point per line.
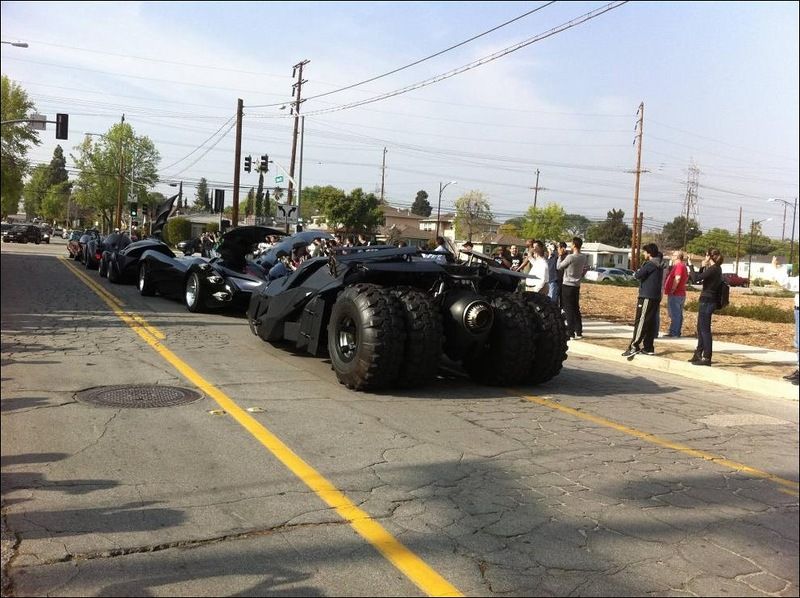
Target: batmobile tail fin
162	213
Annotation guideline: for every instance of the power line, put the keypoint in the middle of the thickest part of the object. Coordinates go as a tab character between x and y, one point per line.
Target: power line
480	62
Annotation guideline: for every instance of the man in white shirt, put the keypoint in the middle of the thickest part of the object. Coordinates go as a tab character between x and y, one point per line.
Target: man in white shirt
538	269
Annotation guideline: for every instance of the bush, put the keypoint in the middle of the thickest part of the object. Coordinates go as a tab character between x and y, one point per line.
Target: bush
620	282
176	230
763	312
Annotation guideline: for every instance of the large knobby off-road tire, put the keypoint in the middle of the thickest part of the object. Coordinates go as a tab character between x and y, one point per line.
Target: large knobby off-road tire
366	337
505	358
551	337
424	337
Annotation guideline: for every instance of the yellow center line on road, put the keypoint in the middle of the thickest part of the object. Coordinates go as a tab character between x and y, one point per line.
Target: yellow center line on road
786	486
412	566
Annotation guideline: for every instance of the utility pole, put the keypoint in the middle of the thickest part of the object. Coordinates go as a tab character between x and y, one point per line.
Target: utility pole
536	189
383	174
637	225
296	89
118	218
639	237
783	230
237	163
738	240
300	174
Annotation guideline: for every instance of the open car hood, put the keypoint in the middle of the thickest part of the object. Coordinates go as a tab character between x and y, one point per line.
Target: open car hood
162	213
239	241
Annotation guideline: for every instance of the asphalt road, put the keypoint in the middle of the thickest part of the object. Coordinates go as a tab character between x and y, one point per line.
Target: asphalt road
606	481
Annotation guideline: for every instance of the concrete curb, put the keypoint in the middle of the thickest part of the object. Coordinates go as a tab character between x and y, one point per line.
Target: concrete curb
737	380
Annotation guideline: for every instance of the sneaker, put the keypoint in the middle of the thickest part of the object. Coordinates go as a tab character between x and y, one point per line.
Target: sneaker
793	376
578	337
694	358
648	352
702	361
631	351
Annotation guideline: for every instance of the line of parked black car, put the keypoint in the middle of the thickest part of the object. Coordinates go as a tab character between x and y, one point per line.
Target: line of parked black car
25	232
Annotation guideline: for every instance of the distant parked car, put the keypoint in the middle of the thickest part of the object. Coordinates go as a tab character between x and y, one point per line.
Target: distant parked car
23	233
735	280
601	274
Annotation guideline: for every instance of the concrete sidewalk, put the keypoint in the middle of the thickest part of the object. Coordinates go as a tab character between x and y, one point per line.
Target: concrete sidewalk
744	367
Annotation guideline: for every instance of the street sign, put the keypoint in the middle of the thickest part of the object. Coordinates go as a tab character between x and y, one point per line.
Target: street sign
38	122
279	179
286	213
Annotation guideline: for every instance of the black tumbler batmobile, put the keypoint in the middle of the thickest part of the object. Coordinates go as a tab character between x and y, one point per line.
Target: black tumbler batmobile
387	316
225	281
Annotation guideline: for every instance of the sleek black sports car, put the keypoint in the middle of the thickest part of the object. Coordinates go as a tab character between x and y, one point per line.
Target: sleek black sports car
111	244
224	281
121	261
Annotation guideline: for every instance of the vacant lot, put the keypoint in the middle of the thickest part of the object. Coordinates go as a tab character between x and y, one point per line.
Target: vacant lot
618	304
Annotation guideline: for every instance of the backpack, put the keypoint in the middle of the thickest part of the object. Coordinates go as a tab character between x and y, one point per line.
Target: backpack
723	295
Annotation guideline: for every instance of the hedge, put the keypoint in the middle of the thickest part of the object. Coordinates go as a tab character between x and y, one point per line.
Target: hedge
763	312
176	230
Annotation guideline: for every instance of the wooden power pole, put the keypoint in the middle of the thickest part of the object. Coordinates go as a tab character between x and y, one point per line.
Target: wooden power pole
383	173
236	164
636	240
738	240
296	89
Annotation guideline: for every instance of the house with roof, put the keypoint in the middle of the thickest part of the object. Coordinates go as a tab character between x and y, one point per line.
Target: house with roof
600	255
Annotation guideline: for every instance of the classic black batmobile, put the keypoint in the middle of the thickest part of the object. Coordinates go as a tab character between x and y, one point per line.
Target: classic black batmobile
120	261
387	315
225	281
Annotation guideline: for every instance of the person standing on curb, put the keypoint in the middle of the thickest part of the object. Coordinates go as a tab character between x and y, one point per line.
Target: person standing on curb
553	288
644	327
538	269
675	290
710	275
572	266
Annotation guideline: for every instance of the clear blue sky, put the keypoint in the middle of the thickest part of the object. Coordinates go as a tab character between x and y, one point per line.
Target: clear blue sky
719	82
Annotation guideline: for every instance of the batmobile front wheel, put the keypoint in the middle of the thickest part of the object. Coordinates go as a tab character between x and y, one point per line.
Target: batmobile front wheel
146	287
366	336
102	269
194	293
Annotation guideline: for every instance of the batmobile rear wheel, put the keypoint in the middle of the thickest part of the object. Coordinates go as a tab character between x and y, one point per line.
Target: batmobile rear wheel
113	276
505	358
146	287
194	293
366	337
551	337
423	348
102	269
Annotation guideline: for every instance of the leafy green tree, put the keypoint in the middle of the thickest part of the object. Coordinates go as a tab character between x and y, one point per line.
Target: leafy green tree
260	212
576	225
518	222
672	236
250	202
119	164
202	200
718	238
16	139
58	167
35	189
356	212
473	215
546	224
509	229
56	201
315	197
421	206
613	231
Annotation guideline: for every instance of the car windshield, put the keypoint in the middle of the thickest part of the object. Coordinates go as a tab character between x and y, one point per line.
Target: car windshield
20	228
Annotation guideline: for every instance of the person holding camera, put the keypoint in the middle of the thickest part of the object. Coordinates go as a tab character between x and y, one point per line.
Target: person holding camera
710	275
644	327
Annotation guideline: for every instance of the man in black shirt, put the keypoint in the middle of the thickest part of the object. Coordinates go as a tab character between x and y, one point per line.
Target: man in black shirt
644	327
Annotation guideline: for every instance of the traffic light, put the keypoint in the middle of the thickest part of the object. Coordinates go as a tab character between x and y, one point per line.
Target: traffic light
134	210
248	163
62	126
219	200
264	163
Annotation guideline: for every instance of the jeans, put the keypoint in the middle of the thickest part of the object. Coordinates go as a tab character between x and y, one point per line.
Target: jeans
571	304
704	340
796	330
675	308
553	291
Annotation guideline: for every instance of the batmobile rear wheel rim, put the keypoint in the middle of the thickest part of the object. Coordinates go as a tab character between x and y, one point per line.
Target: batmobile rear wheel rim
141	278
347	338
191	290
